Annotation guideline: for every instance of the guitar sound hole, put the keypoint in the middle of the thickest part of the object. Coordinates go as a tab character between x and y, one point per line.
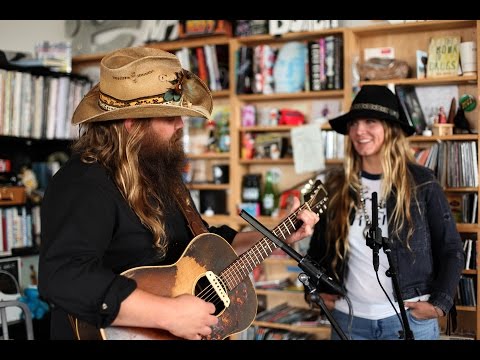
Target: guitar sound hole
204	290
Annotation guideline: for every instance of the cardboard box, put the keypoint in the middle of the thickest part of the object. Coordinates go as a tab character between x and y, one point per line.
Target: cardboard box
442	129
12	195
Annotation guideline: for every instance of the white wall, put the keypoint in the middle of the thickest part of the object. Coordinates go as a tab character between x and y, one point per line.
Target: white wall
22	35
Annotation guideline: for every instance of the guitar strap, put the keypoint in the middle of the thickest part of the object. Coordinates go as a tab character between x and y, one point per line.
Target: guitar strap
194	220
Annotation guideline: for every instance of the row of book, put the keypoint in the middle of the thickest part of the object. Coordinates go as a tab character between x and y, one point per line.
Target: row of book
39	106
19	227
466	291
334	145
464	207
263	333
209	63
325	63
293	67
470	249
287	314
454	162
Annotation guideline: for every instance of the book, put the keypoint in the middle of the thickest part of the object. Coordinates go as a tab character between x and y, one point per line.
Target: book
244	70
315	65
410	105
443	56
421	61
10	274
385	52
455	201
338	63
330	61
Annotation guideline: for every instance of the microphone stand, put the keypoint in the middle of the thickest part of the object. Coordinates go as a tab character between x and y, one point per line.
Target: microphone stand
312	270
376	241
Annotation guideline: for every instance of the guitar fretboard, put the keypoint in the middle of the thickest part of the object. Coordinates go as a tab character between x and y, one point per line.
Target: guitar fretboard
239	269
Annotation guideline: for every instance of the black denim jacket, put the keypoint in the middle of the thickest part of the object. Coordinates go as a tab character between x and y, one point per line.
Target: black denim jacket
435	260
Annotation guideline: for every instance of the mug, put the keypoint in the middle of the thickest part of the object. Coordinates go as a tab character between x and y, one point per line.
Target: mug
220	174
468	57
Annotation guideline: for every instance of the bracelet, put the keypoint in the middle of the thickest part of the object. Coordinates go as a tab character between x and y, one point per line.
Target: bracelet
439	311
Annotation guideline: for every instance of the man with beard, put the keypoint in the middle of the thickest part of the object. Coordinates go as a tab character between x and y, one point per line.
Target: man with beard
119	204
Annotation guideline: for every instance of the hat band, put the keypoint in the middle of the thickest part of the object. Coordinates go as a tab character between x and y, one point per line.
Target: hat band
109	103
376	107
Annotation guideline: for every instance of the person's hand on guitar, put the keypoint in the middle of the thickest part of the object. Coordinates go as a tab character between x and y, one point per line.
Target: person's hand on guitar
244	240
193	318
309	219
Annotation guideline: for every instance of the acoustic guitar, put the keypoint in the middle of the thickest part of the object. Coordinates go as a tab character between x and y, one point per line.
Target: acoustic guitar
210	269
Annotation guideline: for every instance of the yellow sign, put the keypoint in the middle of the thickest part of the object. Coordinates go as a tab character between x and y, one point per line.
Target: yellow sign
443	56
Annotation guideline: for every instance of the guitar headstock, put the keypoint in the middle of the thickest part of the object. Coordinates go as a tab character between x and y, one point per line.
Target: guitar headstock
315	195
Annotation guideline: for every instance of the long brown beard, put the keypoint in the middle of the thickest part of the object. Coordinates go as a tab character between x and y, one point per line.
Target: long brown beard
162	163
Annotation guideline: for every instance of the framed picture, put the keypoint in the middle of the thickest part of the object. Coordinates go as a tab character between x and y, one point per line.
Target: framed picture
10	273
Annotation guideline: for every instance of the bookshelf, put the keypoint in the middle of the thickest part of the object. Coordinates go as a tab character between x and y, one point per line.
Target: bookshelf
281	267
35	103
405	38
307	102
303	101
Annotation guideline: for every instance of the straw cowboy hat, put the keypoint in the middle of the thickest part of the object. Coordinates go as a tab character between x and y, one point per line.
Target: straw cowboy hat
140	82
373	102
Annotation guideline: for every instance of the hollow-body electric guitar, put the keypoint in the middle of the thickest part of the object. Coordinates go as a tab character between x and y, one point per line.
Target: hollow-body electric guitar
210	269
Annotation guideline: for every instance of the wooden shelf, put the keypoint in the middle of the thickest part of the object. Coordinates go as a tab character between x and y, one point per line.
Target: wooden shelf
434	138
208	186
460	189
447	80
207	156
280	260
263	39
291	96
266	161
413	27
190	42
266	128
323	331
167	46
279	292
220	94
465	228
466	308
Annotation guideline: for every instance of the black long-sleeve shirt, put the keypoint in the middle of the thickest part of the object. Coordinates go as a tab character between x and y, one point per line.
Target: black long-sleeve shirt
89	236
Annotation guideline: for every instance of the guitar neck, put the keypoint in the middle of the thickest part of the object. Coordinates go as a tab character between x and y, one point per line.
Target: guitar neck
241	268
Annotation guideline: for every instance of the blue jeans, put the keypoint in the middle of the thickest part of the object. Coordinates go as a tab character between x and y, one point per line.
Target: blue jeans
385	329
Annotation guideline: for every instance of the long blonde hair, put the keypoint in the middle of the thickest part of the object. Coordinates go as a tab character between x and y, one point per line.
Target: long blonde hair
110	144
344	191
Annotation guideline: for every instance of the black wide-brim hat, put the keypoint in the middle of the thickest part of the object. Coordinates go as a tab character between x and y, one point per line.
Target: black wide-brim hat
373	102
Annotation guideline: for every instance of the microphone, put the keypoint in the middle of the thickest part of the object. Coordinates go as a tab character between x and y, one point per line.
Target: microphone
317	272
375	232
305	263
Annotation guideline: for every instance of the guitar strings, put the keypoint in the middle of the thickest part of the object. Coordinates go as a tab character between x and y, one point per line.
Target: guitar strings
227	277
209	293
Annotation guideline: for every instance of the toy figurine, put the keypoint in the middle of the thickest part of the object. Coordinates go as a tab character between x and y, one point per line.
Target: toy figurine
442	116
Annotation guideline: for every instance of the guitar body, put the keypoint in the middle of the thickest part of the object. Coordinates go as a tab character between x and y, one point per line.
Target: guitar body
209	268
206	252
